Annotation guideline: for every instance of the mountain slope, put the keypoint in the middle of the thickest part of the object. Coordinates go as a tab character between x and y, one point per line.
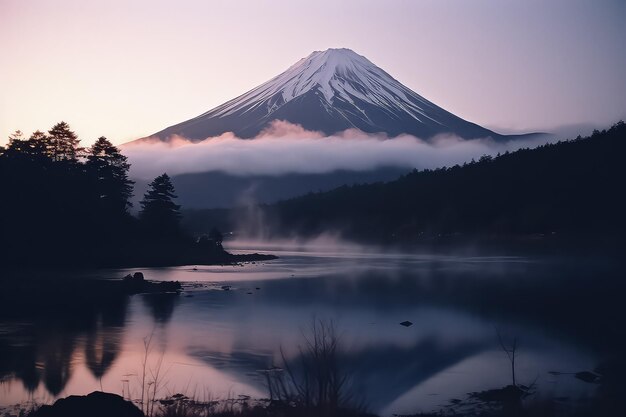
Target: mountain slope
215	189
329	91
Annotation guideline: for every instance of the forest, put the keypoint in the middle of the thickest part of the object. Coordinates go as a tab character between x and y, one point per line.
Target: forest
66	205
567	190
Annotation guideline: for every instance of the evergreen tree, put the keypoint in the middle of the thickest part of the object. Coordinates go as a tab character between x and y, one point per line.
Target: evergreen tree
17	146
159	214
17	135
109	171
33	149
38	145
63	143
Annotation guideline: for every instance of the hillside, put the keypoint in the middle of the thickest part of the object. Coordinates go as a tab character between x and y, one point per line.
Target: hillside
572	188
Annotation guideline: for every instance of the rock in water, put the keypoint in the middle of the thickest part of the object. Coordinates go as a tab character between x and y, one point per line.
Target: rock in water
587	376
96	404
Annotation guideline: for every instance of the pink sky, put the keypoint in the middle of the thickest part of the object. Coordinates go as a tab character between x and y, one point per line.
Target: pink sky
126	69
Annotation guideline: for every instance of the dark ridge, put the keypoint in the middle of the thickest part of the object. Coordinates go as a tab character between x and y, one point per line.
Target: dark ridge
563	191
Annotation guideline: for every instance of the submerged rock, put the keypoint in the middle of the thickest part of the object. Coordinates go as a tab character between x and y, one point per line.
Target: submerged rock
96	404
587	376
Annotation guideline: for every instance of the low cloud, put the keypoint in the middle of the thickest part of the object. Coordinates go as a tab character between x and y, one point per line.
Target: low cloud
286	148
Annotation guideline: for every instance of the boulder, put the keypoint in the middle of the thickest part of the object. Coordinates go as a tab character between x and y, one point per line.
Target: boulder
96	404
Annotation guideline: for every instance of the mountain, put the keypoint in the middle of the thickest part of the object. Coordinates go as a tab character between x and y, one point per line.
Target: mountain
330	91
216	189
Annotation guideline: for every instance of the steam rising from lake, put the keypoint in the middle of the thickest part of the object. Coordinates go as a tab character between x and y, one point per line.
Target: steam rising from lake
286	148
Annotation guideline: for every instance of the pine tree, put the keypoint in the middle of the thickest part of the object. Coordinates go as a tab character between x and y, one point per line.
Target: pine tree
17	135
17	146
109	171
159	214
33	149
63	143
38	145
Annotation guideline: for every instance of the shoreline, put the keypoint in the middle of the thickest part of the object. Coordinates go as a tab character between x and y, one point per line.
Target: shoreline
224	258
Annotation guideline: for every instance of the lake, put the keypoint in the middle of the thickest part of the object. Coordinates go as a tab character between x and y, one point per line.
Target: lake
230	323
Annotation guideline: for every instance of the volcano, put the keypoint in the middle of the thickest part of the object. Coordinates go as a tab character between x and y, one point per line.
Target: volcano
330	91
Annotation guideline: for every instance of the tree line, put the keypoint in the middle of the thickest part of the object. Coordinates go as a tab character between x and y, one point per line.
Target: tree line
570	189
70	205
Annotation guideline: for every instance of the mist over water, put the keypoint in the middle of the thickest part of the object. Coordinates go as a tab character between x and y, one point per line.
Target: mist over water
286	148
216	340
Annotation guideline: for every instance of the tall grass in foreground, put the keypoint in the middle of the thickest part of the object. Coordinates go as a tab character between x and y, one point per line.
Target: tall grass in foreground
315	382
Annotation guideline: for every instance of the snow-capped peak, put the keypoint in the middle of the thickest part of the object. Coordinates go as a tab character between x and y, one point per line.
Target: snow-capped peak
323	69
329	91
333	73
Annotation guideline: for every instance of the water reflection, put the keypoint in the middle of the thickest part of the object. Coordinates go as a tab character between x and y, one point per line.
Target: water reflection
161	306
43	345
403	367
567	316
102	347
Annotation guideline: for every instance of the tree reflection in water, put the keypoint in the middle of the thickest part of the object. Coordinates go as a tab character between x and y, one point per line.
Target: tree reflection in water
43	344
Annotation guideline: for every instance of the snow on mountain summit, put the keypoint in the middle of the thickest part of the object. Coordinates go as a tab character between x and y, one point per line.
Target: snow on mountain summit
326	70
334	72
329	91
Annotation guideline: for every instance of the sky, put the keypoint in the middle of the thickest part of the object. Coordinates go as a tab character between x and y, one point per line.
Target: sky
127	69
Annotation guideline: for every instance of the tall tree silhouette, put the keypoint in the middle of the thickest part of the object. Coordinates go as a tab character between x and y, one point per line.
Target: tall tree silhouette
17	135
34	149
63	143
17	146
38	145
108	169
159	214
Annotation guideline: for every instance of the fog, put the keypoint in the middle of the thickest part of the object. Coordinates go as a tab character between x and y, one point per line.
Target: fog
286	148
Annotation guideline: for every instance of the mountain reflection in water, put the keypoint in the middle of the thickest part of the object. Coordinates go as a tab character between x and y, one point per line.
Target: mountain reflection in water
566	314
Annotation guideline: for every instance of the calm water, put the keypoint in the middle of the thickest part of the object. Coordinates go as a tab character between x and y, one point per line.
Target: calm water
566	316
